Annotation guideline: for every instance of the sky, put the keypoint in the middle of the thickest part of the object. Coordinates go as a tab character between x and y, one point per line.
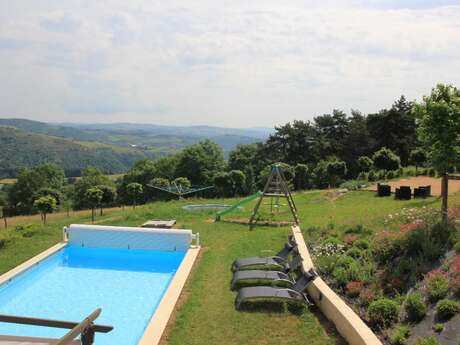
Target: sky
233	63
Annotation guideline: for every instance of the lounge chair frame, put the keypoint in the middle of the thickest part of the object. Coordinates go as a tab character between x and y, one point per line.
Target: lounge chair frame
86	328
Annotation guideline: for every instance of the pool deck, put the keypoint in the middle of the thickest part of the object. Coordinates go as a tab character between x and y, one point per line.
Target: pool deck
157	324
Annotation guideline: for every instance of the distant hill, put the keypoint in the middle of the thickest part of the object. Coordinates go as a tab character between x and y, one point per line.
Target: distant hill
24	149
113	147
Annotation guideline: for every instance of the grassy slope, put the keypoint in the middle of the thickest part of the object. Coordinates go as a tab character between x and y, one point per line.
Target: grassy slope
208	316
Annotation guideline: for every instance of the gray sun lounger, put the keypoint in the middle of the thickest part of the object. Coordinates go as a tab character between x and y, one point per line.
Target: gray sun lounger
277	262
266	293
263	277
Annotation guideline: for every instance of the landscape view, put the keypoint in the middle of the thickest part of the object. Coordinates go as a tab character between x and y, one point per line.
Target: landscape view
234	173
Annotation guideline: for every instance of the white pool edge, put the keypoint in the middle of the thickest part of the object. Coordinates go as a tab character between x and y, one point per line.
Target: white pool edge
157	324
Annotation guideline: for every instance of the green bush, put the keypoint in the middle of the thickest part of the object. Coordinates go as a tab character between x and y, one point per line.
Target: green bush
415	307
383	312
340	275
353	184
390	175
354	252
438	328
361	244
399	335
447	308
427	341
431	172
331	240
437	286
5	238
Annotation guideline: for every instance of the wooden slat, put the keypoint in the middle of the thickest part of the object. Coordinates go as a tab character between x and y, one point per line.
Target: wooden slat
49	323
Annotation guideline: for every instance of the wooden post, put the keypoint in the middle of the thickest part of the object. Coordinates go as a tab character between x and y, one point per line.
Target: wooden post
444	196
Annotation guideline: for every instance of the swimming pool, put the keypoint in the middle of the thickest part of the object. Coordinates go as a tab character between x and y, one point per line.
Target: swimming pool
128	284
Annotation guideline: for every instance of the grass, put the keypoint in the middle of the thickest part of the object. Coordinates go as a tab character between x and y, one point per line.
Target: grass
208	315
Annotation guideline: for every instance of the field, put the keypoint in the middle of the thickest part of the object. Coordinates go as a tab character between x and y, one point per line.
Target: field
207	314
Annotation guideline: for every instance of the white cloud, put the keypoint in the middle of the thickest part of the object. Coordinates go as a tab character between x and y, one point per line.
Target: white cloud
228	63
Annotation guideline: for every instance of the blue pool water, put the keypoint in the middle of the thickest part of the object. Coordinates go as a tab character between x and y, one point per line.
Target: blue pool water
127	284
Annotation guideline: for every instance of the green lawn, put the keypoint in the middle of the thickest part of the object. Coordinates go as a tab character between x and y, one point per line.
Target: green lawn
208	315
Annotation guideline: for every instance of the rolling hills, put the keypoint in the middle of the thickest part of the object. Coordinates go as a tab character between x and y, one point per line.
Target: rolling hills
110	147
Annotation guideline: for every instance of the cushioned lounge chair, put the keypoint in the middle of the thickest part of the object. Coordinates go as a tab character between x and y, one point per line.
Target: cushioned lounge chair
268	293
263	277
86	329
276	263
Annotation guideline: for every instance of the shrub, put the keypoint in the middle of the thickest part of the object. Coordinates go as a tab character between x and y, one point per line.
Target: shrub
357	229
431	172
390	175
399	335
457	247
362	176
340	275
353	184
447	308
427	341
383	312
437	284
415	307
372	176
352	289
354	252
361	244
438	327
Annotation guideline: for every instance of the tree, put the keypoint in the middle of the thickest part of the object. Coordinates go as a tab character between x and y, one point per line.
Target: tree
45	205
91	177
238	179
109	195
201	162
160	182
23	193
439	131
93	198
418	158
182	181
365	164
385	159
134	191
336	170
394	128
301	176
223	184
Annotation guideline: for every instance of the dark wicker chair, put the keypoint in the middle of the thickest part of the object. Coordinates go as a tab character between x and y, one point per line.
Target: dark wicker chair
383	190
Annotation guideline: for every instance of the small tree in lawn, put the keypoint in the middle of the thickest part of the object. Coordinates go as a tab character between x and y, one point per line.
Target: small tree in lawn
45	205
134	191
93	196
365	164
418	158
385	159
439	131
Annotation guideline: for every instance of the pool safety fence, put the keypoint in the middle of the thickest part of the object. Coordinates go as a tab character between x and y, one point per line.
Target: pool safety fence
98	236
